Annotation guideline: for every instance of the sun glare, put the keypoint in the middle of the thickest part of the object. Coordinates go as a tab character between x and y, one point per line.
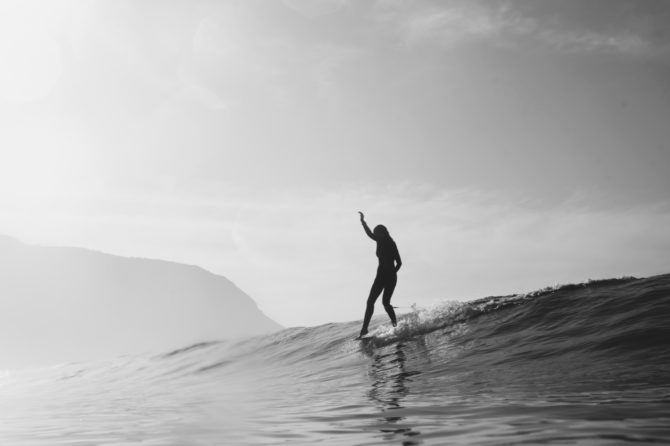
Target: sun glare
31	57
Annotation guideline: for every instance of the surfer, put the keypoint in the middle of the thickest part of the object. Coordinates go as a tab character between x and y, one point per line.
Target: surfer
389	264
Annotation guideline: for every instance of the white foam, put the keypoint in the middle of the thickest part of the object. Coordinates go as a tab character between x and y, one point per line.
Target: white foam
420	321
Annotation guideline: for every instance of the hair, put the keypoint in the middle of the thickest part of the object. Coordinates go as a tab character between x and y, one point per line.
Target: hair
380	231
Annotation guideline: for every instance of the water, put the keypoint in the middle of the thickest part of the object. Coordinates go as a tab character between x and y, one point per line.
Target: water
579	364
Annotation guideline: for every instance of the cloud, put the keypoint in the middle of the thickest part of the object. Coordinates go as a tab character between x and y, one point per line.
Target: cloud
315	8
626	43
452	25
521	24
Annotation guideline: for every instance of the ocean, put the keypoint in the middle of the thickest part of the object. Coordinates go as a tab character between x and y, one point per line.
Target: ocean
578	364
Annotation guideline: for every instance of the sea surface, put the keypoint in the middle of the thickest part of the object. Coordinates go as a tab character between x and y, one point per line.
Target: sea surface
578	364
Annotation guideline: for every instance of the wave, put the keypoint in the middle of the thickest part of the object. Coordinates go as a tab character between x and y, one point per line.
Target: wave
621	321
601	326
574	361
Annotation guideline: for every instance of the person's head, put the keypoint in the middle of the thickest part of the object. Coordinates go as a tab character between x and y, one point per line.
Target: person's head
380	231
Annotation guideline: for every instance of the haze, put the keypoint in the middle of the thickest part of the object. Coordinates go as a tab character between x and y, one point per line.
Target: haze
506	145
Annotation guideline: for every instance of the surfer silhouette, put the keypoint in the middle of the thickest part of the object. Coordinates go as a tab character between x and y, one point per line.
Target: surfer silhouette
387	272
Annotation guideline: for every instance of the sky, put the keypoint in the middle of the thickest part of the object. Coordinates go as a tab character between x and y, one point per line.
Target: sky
507	145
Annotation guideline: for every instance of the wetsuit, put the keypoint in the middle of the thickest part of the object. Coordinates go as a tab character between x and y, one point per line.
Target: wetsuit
386	278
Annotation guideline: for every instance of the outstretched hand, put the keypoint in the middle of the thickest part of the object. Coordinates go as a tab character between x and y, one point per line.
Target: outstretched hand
362	216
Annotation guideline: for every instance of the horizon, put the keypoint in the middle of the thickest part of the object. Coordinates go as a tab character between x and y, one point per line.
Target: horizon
520	292
507	146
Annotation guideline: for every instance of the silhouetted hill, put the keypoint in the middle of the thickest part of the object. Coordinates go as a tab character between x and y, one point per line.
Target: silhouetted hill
64	304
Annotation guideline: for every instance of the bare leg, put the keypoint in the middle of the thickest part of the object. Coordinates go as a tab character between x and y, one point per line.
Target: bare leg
389	287
375	291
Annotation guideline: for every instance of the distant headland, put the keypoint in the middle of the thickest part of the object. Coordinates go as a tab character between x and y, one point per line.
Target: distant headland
61	304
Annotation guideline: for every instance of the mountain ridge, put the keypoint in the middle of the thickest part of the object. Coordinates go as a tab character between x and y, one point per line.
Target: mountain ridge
60	304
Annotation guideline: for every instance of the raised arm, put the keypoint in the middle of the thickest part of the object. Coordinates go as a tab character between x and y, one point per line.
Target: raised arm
366	227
